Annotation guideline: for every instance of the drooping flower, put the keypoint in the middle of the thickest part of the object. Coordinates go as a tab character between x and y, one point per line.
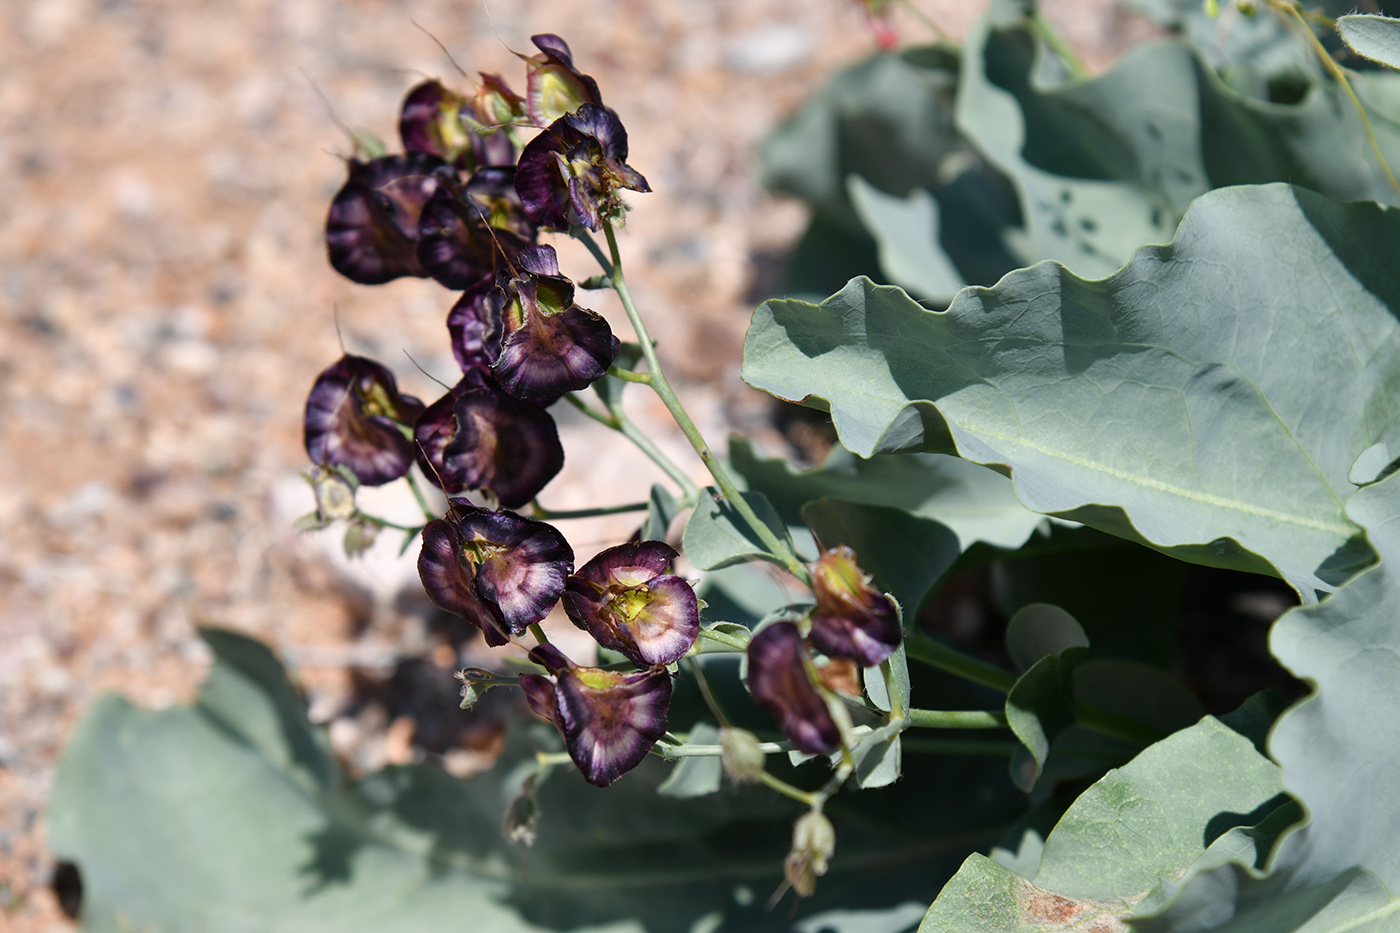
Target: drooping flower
629	602
355	418
553	86
465	131
372	225
571	172
609	719
478	437
813	841
498	570
549	345
853	619
463	234
780	684
474	326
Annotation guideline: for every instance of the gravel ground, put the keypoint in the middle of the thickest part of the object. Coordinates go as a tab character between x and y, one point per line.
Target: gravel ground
165	304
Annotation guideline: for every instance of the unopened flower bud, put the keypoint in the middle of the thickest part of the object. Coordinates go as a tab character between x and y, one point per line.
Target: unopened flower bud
741	756
335	496
813	841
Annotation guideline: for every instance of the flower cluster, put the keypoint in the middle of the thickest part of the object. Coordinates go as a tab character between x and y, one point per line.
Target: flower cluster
851	620
465	204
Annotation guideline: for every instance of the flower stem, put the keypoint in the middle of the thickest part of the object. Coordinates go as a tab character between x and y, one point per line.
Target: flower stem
935	653
563	514
607	421
713	751
539	634
418	494
662	387
957	719
1051	37
385	523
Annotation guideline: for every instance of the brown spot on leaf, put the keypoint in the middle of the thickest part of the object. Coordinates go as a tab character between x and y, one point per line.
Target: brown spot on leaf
1043	905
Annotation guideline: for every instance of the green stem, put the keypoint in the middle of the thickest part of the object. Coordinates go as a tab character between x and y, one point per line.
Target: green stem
1057	42
539	634
810	798
709	697
662	387
564	514
646	445
418	494
957	719
935	653
629	375
892	690
1340	77
385	523
607	421
713	751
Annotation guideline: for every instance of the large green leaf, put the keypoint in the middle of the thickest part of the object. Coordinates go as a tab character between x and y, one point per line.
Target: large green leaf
1340	756
228	815
1376	37
976	503
1166	404
717	536
1150	820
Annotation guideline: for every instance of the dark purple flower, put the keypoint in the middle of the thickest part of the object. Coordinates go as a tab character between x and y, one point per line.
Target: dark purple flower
553	86
474	326
355	418
627	599
571	172
463	235
549	345
467	132
609	719
498	570
372	226
478	437
780	684
853	619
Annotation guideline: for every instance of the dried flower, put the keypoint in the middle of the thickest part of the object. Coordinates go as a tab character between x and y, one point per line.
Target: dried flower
780	684
355	418
498	570
553	86
571	172
853	619
629	602
609	719
549	345
813	841
478	437
372	226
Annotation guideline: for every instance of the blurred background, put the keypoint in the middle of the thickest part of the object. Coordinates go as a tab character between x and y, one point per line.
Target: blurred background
165	304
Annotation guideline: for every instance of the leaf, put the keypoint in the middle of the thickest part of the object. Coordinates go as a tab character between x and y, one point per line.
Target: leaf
976	503
1375	37
696	776
1162	404
1339	751
1146	821
662	509
717	536
883	538
1039	707
905	231
1041	630
228	816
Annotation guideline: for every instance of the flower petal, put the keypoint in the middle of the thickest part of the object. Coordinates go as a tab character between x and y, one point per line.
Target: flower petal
779	684
372	225
556	353
350	421
521	564
610	720
625	600
474	326
450	581
853	619
554	86
539	693
478	437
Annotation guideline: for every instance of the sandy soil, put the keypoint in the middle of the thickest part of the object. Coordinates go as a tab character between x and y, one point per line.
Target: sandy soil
165	304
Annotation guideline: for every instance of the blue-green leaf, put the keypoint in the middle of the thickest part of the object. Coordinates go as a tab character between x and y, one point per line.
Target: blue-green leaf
1161	404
